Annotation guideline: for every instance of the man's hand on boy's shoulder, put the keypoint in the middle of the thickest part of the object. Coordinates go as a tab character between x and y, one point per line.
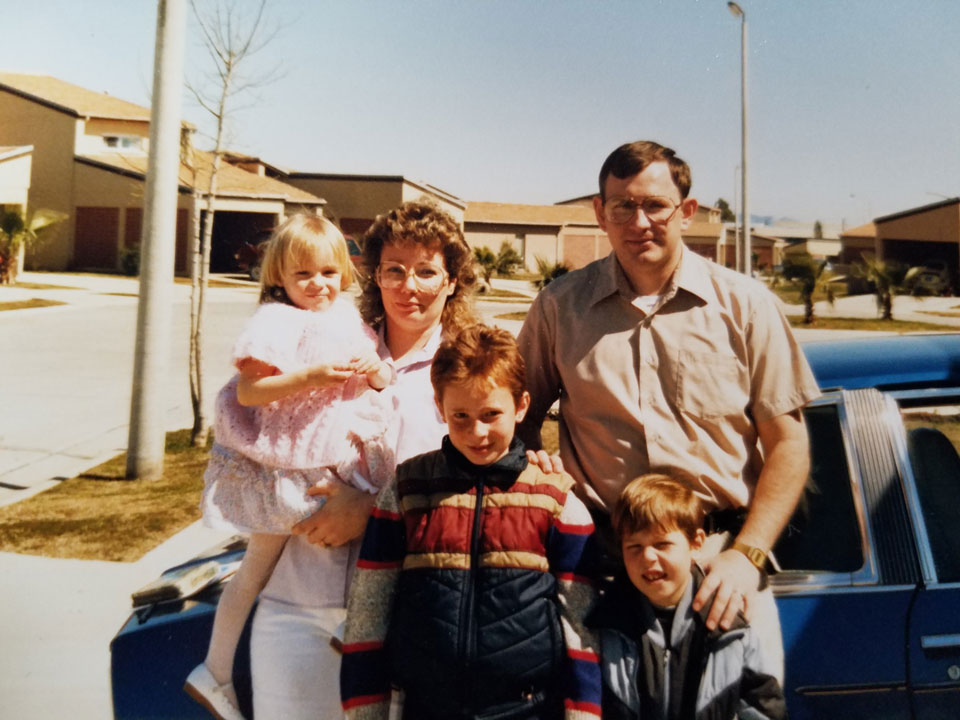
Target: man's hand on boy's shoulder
546	462
733	581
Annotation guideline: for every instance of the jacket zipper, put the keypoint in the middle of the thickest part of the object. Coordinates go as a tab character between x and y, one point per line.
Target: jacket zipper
468	631
665	714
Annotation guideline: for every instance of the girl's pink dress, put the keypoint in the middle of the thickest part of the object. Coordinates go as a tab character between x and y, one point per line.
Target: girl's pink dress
265	457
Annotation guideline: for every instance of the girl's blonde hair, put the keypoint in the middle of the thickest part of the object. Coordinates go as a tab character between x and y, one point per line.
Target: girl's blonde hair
300	237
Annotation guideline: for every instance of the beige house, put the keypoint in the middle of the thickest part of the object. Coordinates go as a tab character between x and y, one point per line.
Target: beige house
90	162
856	241
356	200
925	235
555	233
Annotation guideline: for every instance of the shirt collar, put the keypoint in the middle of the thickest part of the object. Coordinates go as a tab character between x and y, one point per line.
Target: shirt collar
610	280
691	275
424	354
501	474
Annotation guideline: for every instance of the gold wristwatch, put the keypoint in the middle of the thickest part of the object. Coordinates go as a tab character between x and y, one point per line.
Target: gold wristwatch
754	554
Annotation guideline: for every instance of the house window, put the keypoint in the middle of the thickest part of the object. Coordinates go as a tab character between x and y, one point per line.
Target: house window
123	142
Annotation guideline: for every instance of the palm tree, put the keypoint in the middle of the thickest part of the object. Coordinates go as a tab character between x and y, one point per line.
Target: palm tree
487	262
888	277
811	278
19	230
547	272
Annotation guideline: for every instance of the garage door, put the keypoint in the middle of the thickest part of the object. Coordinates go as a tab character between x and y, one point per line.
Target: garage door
95	241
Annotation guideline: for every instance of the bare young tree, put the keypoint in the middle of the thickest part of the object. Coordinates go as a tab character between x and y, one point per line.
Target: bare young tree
233	33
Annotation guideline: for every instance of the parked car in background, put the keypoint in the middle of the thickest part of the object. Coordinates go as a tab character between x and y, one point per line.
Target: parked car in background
933	279
869	587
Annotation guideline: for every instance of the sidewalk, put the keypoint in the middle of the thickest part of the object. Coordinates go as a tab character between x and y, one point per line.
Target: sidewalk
58	619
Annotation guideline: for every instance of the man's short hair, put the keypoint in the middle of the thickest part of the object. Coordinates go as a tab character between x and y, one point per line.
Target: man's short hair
657	501
630	159
485	356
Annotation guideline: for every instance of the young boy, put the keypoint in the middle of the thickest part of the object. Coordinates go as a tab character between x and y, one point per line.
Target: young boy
658	658
470	590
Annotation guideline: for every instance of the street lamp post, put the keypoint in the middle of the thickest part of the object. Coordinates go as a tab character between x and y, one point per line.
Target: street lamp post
744	261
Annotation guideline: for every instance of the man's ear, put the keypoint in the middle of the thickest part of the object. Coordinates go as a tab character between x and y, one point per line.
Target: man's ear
523	404
688	208
598	211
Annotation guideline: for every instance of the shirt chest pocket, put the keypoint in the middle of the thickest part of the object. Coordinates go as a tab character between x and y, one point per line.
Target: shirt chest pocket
711	385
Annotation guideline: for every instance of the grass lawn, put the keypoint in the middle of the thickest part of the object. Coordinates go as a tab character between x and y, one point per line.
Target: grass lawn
31	303
42	286
101	516
835	323
790	293
519	315
495	293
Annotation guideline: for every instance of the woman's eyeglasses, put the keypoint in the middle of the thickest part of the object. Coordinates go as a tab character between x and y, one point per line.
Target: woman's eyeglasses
427	277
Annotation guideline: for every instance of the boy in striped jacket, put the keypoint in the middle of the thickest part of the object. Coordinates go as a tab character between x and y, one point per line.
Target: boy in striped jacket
471	588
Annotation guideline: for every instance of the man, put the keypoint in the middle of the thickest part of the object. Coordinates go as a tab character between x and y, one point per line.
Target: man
666	362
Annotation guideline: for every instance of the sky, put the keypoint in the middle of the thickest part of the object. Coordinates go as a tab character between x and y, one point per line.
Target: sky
853	105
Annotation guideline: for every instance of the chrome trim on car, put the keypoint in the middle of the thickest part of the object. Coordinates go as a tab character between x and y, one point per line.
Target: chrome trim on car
850	689
908	485
940	642
794	581
869	574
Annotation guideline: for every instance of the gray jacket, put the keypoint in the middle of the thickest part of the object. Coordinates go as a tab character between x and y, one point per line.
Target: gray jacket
698	675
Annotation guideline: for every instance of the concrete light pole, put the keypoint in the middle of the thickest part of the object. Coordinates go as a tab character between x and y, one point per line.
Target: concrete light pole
148	405
744	260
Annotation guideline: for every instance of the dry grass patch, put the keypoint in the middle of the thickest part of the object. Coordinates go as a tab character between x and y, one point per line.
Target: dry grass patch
101	516
43	286
840	323
31	303
520	315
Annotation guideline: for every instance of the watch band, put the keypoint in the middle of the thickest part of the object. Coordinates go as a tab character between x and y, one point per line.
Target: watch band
754	554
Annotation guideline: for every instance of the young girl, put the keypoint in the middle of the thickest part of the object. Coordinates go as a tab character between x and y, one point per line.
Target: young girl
296	413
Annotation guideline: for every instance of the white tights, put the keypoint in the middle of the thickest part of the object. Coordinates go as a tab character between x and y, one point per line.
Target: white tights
238	597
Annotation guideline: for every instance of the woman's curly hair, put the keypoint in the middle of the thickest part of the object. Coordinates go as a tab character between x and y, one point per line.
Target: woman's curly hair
420	223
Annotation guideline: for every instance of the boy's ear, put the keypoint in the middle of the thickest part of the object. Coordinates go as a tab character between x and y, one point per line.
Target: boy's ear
523	404
698	539
437	399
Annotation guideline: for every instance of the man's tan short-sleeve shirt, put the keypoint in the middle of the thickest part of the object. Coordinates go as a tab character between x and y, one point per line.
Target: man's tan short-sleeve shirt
676	391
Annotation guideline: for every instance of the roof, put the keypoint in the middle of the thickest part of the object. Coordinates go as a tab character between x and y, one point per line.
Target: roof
890	362
918	210
231	180
71	99
9	152
578	200
381	178
868	230
242	158
516	214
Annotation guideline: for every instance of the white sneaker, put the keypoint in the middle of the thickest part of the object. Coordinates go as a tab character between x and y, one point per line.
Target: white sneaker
203	687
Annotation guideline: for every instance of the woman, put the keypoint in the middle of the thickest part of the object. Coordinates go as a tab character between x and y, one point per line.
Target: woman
419	277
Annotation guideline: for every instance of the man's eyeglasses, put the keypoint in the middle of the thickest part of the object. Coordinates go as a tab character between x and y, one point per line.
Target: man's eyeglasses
426	276
658	210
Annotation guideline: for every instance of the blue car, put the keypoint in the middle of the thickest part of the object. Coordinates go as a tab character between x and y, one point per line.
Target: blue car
869	581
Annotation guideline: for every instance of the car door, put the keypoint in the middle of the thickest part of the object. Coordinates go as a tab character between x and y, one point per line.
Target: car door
850	571
932	480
